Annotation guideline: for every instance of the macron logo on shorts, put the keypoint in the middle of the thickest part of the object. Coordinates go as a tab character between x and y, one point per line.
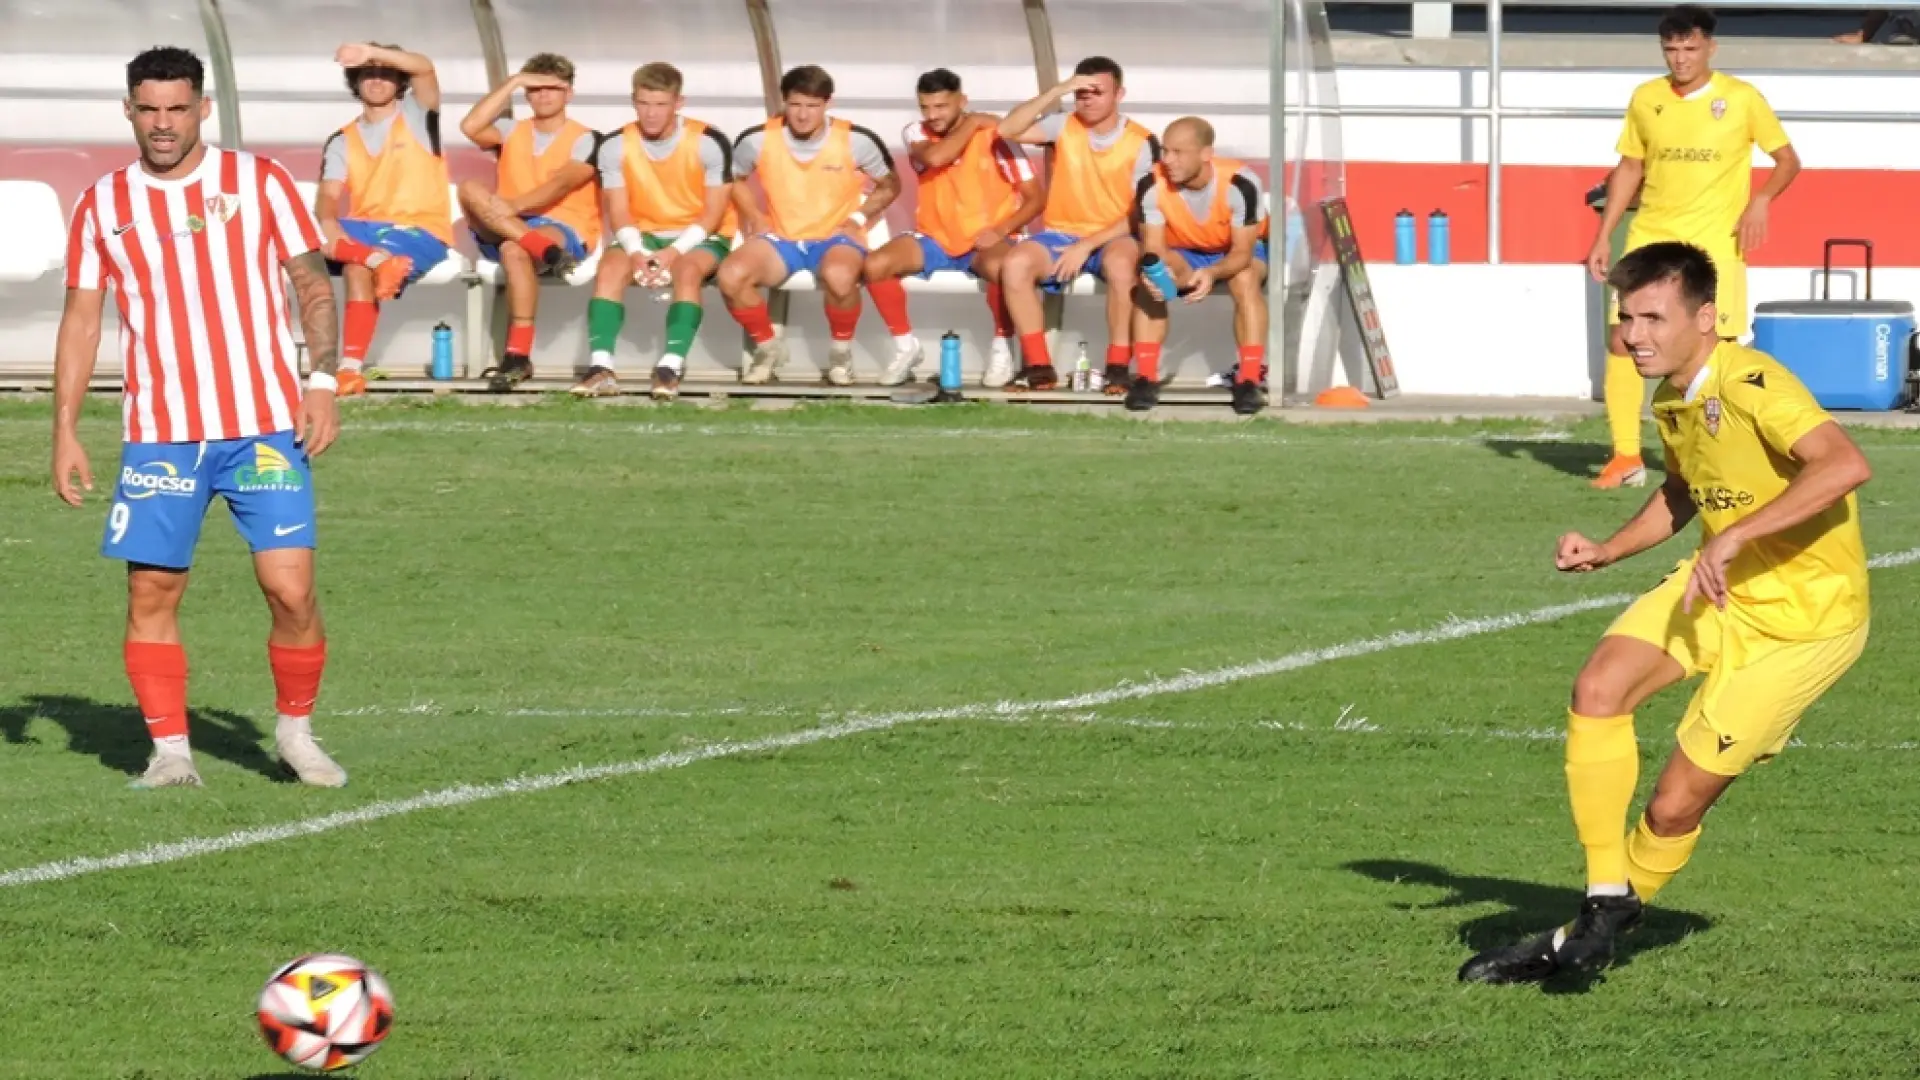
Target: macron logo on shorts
141	482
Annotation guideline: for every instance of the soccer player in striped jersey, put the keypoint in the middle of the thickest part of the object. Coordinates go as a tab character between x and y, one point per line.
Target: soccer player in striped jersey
977	194
193	242
1099	158
1201	216
389	165
544	216
814	170
669	189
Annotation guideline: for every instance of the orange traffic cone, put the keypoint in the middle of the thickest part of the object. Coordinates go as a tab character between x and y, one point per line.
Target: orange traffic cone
1341	397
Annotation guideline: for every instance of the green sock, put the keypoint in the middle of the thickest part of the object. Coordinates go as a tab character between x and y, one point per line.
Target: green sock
604	319
683	321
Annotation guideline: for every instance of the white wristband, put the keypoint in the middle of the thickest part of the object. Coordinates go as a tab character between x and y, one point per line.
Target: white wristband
691	237
630	241
320	380
858	218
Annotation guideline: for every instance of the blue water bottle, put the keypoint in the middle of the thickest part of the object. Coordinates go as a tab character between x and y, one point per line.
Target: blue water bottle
1403	238
1161	277
950	365
443	351
1439	239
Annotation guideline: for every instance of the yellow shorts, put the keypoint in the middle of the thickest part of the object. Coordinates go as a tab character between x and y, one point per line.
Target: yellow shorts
1730	299
1756	687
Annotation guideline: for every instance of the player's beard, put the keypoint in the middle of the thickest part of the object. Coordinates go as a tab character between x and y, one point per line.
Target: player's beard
160	160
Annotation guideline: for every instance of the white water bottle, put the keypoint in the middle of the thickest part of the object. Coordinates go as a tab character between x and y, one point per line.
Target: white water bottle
1082	372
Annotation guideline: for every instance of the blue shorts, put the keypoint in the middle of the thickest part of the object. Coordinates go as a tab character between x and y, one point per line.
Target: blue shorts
1056	242
568	239
165	488
936	258
806	254
425	249
1200	260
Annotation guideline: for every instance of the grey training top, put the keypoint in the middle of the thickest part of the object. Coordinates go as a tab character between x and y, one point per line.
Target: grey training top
1243	200
870	155
425	124
716	154
582	146
1053	124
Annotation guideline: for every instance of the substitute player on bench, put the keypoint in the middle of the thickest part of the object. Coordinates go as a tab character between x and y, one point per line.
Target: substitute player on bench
1100	157
668	201
390	166
977	194
1202	216
193	242
544	217
814	171
1686	148
1772	608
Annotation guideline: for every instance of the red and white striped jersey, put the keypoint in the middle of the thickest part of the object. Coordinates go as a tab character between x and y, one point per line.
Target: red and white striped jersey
195	264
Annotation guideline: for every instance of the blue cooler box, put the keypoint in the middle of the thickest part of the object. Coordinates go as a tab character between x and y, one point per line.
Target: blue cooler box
1852	354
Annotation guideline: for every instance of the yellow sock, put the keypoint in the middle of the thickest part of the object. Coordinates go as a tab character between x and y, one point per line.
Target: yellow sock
1625	393
1653	860
1603	764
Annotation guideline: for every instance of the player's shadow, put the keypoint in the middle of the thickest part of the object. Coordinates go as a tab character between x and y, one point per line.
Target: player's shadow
1527	908
1575	459
117	736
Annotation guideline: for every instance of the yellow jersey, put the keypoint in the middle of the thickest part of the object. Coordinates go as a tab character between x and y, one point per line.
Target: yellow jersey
1698	152
1729	436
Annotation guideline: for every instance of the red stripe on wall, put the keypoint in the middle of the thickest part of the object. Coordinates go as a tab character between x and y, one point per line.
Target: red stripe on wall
1545	218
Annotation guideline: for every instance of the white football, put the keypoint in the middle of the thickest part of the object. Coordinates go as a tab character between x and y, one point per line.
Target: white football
325	1012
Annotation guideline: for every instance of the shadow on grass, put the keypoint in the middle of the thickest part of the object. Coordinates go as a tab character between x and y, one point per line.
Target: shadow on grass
117	736
1573	458
1527	909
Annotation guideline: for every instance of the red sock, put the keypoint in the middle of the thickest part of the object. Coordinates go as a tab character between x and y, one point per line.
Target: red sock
890	300
1253	358
755	321
997	307
537	245
519	339
1033	349
296	676
841	321
158	673
1118	355
357	335
350	251
1146	361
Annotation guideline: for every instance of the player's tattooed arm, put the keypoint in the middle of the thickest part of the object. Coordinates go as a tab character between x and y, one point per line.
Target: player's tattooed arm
313	291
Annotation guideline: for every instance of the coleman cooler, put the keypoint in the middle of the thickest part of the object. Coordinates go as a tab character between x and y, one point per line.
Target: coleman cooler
1852	354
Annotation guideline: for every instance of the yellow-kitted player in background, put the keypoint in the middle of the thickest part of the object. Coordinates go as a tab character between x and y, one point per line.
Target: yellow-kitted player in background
1687	149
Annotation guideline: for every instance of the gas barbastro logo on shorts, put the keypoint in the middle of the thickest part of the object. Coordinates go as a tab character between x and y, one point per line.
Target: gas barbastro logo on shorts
270	471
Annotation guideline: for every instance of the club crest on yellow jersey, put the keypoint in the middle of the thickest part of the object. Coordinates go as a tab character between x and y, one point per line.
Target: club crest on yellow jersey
1713	416
1719	108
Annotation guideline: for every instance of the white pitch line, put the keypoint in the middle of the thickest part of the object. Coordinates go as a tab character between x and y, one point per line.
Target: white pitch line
176	851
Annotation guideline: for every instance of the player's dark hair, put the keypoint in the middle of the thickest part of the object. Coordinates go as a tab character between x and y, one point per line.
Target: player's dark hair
938	81
1100	65
547	63
809	80
1681	21
1668	260
166	63
355	74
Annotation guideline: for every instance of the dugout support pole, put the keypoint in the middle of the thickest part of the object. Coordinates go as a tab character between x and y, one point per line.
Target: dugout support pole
220	53
1278	360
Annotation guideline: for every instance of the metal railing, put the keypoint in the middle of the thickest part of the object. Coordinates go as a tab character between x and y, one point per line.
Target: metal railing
1494	111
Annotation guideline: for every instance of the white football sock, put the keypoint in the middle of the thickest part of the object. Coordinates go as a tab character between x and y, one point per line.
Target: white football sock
601	358
173	744
293	725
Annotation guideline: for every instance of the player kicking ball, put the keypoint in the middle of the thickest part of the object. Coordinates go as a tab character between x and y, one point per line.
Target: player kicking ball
212	402
1772	608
